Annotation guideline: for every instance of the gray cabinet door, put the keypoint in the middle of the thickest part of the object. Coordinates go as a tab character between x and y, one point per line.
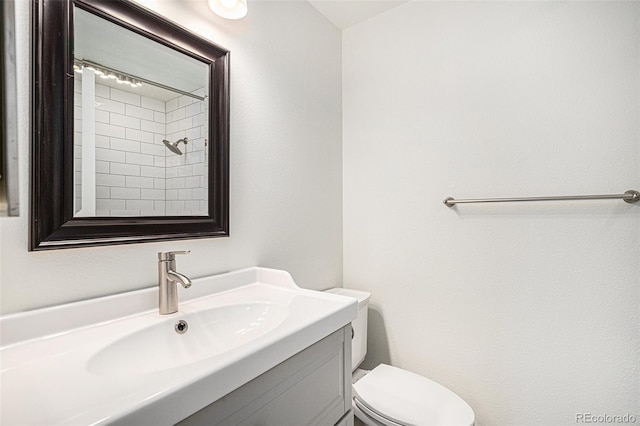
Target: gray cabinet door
311	388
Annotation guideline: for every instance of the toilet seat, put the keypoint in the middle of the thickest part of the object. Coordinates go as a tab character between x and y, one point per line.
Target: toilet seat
393	396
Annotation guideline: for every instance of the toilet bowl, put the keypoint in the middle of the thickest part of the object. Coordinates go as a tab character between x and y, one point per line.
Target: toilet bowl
391	396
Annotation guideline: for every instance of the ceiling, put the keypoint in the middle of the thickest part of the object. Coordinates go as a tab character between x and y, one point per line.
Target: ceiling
345	13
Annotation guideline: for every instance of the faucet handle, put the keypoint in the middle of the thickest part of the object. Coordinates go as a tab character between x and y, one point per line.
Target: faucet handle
170	255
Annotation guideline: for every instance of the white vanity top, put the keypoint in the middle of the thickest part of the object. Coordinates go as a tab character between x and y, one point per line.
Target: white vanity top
115	360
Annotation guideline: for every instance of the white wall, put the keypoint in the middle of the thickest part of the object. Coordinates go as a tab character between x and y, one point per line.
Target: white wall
529	311
286	194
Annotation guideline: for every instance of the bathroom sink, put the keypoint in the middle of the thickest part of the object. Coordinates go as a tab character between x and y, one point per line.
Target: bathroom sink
208	332
115	360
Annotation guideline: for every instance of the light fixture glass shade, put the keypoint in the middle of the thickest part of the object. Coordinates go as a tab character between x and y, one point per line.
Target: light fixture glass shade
230	9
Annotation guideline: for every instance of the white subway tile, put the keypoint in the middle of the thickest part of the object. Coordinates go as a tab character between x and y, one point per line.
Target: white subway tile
175	183
159	204
102	116
171	105
103	154
172	127
185	170
171	172
109	180
125	169
147	159
126	97
192	205
152	194
152	171
152	126
199	119
176	115
103	192
139	205
125	145
125	121
159	161
192	110
199	194
192	181
139	182
125	193
141	159
110	130
185	194
102	166
103	141
159	183
195	157
171	194
160	117
139	135
175	205
199	169
173	160
185	124
194	133
185	100
102	91
147	148
133	158
109	204
107	104
153	104
143	113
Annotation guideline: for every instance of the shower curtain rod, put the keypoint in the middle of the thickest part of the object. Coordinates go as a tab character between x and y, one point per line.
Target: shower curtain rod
630	196
84	62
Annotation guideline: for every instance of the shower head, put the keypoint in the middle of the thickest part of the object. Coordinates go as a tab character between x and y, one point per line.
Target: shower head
173	146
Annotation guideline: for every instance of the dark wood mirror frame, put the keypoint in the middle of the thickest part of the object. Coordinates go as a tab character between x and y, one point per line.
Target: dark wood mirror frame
52	221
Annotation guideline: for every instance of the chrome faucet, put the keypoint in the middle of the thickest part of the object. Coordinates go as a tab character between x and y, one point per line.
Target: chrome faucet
168	279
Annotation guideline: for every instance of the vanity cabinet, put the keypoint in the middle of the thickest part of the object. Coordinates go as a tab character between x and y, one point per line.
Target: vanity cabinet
312	387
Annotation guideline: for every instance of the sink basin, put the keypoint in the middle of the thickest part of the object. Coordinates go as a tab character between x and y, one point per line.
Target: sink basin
116	361
210	332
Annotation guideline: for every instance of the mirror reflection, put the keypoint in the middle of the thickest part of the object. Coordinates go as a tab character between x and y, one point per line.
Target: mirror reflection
140	124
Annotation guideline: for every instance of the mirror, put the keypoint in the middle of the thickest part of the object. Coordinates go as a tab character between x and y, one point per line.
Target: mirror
131	132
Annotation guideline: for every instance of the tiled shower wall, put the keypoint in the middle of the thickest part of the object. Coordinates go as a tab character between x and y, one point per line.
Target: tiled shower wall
186	185
136	175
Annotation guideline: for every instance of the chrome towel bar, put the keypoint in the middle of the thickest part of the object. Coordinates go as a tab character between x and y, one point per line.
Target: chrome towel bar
630	196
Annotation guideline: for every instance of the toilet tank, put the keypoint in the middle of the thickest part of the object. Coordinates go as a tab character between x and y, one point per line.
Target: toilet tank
359	341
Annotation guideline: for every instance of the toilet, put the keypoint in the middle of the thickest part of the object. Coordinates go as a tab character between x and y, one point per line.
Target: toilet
391	396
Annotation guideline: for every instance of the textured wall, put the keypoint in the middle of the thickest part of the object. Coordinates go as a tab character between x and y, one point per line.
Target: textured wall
286	190
529	311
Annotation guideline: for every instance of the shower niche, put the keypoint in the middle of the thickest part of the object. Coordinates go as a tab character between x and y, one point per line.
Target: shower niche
131	134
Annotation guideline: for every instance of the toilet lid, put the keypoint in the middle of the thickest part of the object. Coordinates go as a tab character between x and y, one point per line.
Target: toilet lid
410	399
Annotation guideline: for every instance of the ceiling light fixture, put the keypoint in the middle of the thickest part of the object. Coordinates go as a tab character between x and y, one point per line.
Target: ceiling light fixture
230	9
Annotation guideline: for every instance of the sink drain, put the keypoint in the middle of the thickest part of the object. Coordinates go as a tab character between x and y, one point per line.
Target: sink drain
181	327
